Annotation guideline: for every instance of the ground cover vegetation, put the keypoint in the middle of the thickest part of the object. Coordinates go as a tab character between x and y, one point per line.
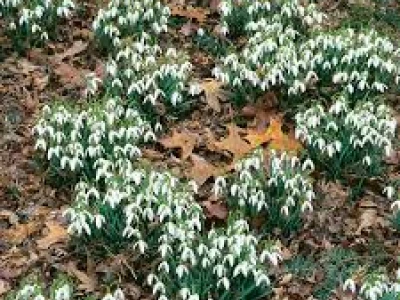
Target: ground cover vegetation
228	149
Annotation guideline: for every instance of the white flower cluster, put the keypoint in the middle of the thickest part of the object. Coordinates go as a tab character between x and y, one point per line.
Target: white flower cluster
278	54
30	291
100	137
160	213
218	264
282	182
59	290
392	192
253	11
34	18
147	199
357	61
139	70
366	132
145	74
130	19
374	287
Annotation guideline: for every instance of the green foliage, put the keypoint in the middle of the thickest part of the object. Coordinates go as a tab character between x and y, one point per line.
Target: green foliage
277	193
122	20
301	266
211	44
33	287
395	220
30	23
338	264
224	264
345	141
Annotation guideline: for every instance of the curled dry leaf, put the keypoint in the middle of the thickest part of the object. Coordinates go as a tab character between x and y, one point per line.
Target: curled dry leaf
184	140
369	216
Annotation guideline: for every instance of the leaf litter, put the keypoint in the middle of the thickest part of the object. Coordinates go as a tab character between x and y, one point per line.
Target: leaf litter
204	152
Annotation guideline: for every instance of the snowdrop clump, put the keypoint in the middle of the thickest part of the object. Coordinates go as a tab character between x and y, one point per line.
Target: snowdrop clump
374	286
147	76
238	16
224	264
129	19
353	62
153	206
33	19
288	51
341	139
32	289
60	289
278	189
103	134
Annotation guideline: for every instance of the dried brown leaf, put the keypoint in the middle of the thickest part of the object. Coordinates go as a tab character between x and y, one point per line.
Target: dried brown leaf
201	170
57	234
68	75
5	286
214	93
194	13
184	140
20	232
215	209
76	48
234	143
275	137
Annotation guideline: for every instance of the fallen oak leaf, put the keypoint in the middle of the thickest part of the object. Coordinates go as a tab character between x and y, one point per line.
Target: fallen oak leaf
185	140
57	234
195	13
276	138
201	170
234	143
213	93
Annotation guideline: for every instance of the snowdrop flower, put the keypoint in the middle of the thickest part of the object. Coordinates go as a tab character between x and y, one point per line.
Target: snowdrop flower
389	191
350	285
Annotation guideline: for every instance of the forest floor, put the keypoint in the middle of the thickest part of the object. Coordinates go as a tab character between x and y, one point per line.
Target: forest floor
339	234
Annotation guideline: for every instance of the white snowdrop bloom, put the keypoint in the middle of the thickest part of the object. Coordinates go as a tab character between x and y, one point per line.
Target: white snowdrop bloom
108	296
224	282
389	191
395	206
306	206
350	285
